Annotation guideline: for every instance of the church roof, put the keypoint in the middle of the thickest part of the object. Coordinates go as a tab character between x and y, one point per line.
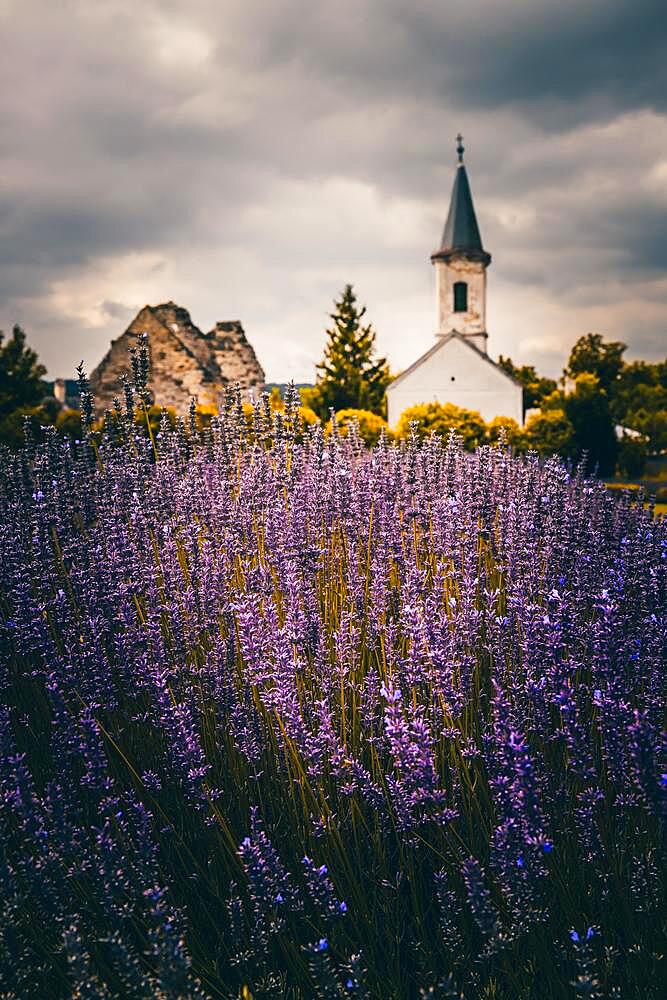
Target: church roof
461	231
439	344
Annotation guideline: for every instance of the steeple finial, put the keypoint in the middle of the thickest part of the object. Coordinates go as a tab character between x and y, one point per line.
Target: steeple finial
461	233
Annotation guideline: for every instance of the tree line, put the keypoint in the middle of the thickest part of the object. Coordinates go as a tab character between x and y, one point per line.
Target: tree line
612	411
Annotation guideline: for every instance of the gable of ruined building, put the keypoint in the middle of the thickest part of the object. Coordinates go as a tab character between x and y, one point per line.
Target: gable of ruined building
184	361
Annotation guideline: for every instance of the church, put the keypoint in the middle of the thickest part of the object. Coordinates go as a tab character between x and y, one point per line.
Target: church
457	368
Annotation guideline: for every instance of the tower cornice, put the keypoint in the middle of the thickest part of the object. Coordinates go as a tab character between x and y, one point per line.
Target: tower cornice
455	253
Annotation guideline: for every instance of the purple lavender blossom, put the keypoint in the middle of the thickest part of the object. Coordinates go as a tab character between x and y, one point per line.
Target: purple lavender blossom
433	680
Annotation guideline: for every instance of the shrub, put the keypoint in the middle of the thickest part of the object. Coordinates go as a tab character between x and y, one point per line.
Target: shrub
505	427
204	413
302	417
369	424
155	413
12	425
549	432
308	416
68	422
310	398
441	418
632	456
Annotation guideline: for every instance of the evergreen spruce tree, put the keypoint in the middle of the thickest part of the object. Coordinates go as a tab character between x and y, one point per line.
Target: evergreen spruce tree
21	374
23	392
349	375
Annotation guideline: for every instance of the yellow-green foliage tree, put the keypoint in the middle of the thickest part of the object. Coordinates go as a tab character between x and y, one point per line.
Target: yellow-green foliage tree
306	413
441	418
577	424
68	422
535	387
308	416
204	414
549	432
651	424
505	427
144	418
155	414
369	424
592	355
260	415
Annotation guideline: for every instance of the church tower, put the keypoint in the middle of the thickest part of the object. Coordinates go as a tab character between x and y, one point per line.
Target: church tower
460	266
457	368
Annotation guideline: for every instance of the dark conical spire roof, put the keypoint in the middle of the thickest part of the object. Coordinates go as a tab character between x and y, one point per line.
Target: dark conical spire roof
461	230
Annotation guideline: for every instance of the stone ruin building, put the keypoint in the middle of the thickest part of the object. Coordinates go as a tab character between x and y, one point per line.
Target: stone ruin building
184	361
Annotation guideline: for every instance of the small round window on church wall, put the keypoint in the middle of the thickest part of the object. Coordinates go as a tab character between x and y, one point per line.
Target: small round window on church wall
460	297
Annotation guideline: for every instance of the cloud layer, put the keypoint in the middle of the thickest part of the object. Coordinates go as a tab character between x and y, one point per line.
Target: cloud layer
248	159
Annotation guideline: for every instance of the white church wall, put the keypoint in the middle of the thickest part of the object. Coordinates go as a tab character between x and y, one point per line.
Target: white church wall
473	273
456	373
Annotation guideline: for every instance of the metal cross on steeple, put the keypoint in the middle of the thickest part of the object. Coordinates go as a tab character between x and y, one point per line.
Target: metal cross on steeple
461	231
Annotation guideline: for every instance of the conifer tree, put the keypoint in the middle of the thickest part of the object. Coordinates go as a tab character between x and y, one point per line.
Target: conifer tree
349	375
21	374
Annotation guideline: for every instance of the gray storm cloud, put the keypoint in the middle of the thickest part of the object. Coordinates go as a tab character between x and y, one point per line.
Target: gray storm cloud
248	159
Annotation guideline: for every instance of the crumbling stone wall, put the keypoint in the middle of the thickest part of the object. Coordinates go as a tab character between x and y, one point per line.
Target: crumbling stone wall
184	361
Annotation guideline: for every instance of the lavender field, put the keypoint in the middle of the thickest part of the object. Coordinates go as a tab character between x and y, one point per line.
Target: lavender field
288	717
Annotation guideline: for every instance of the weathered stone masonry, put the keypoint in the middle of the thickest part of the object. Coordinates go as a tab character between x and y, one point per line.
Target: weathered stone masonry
184	361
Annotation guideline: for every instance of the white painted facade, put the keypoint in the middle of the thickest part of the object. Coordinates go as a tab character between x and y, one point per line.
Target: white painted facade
472	322
455	371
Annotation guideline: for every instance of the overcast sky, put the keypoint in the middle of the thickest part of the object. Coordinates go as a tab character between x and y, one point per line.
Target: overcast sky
249	158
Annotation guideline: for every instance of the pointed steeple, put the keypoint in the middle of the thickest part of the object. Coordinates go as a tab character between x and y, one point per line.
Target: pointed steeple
461	233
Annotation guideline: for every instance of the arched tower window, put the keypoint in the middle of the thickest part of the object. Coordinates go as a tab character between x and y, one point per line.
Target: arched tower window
460	297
